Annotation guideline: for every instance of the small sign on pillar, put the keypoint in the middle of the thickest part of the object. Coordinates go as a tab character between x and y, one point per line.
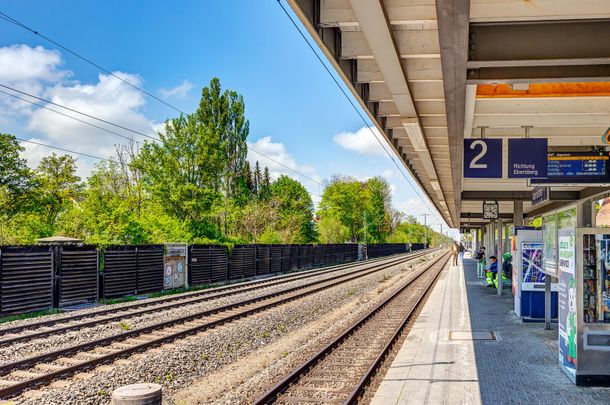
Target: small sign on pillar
491	210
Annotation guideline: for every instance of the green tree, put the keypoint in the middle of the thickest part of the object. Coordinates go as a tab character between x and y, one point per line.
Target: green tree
331	230
256	176
183	172
16	182
58	188
378	208
342	200
113	204
295	210
222	114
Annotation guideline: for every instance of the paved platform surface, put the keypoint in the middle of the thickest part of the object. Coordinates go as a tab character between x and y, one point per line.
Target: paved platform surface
448	357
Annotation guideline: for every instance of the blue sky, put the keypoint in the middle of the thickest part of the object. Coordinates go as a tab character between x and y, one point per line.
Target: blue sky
297	114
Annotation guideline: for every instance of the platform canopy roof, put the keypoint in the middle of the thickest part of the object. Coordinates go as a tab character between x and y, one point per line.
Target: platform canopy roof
431	73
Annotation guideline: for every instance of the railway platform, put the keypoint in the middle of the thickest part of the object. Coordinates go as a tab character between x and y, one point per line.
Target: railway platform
468	347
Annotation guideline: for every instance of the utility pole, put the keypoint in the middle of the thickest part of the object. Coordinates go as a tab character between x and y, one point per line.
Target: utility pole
426	225
366	253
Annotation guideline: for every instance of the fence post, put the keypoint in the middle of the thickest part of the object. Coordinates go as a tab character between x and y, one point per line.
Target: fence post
255	260
1	298
138	269
55	274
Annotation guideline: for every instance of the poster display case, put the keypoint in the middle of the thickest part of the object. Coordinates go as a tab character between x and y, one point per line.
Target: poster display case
584	304
528	276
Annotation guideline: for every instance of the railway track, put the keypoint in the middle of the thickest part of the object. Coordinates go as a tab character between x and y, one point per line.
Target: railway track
19	375
340	372
78	321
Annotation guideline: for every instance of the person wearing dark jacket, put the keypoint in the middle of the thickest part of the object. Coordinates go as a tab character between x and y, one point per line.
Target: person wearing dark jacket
492	272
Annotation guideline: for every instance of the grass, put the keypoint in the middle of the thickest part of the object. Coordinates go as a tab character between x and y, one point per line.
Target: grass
11	318
112	301
124	325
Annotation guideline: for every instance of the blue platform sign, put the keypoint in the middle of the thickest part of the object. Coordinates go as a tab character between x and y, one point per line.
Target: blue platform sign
527	158
483	158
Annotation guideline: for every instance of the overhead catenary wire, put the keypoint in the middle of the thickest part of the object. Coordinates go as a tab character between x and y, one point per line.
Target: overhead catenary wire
123	127
78	112
69	116
85	154
311	47
12	20
18	23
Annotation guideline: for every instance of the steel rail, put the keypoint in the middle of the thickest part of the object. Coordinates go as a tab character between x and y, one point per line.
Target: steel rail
178	300
77	349
272	394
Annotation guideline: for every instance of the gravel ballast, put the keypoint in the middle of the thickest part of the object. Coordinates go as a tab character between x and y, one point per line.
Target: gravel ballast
192	359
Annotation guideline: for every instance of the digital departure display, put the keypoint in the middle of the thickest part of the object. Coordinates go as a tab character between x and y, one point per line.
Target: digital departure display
576	167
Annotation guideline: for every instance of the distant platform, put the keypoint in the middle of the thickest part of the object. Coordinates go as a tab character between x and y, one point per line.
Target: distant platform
468	347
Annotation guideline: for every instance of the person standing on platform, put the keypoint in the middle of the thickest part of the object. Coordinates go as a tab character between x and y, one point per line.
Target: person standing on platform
454	252
461	252
481	261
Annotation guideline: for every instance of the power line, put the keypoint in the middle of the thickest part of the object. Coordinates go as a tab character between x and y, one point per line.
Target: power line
88	155
65	150
275	161
350	101
18	23
10	19
69	116
123	127
78	112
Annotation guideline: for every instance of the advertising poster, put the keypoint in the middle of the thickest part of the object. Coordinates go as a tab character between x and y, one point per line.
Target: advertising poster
531	263
567	301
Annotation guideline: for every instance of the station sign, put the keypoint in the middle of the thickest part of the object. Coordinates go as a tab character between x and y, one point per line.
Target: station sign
491	210
483	158
527	158
540	194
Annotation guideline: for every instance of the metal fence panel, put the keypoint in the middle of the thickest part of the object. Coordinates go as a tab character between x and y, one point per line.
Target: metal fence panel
242	261
26	279
319	255
208	264
150	268
262	259
275	255
78	275
120	271
293	254
306	256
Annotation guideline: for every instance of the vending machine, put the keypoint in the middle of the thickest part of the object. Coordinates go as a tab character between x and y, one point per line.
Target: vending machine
528	278
584	304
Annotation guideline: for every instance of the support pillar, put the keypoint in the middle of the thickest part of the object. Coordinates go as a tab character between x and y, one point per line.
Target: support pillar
499	255
547	302
518	213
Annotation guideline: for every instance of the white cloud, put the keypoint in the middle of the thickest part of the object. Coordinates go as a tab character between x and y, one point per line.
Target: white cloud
361	141
37	71
387	173
21	63
109	99
281	159
179	91
27	69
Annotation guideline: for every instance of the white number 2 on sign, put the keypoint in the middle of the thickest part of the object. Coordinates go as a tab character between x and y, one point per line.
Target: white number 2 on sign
473	163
